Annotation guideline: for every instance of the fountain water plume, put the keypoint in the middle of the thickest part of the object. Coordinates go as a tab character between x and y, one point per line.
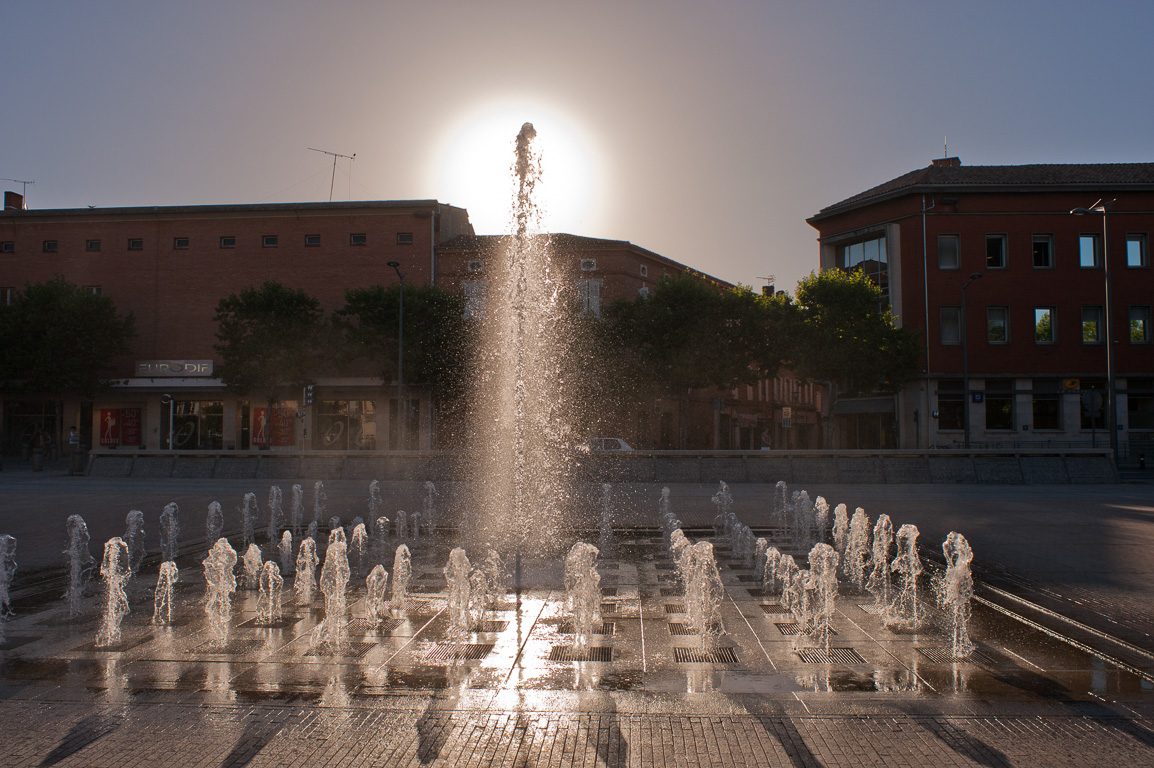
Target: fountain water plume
904	612
376	605
663	505
787	573
402	525
333	631
268	601
878	582
275	514
7	572
297	509
169	531
116	570
429	510
213	524
955	591
359	547
821	517
221	581
823	560
496	577
780	498
320	502
678	547
415	525
703	591
376	503
857	548
285	550
840	529
382	552
252	565
456	573
248	513
134	539
162	598
402	574
305	580
760	548
479	599
723	500
769	580
582	592
80	563
605	531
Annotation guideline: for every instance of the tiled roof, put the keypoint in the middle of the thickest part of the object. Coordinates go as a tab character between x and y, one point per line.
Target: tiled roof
1027	177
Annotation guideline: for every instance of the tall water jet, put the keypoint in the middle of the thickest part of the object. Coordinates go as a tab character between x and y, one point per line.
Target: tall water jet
7	572
358	548
787	573
333	631
382	553
221	581
703	591
248	513
213	524
878	582
285	550
116	569
904	612
605	531
840	529
823	582
297	507
769	581
857	548
134	539
320	502
252	565
402	525
821	517
780	497
582	591
169	531
495	577
457	572
80	563
376	605
429	510
275	514
162	598
268	601
305	581
723	500
955	591
402	574
376	503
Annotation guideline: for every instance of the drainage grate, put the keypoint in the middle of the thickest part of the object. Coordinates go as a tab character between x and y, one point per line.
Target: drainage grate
748	577
609	591
425	589
774	609
674	608
606	628
791	628
697	656
492	626
239	645
366	627
664	566
666	577
940	654
348	650
755	592
458	651
671	591
831	656
676	628
873	609
569	653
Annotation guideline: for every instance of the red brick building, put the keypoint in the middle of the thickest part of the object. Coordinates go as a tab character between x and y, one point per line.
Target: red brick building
1035	314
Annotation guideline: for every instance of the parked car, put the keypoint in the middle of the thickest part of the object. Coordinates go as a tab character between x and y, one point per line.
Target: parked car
605	444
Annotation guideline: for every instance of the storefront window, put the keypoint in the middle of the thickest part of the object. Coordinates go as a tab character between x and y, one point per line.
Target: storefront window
196	425
345	425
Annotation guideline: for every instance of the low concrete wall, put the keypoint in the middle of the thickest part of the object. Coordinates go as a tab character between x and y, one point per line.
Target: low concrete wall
794	467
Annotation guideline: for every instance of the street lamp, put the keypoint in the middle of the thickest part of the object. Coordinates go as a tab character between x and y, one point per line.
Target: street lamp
1111	410
966	364
396	265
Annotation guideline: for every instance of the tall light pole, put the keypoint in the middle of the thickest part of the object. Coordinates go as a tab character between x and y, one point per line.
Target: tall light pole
966	364
401	415
1111	409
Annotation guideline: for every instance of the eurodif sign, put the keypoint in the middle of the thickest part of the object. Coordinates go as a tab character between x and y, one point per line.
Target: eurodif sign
152	369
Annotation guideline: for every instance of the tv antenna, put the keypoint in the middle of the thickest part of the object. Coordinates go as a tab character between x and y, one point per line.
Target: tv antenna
769	281
335	155
24	190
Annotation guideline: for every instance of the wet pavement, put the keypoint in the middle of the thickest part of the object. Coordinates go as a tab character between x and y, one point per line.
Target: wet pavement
518	692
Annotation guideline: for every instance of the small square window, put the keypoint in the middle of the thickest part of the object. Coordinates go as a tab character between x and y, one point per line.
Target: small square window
7	296
995	251
135	244
1043	251
269	241
951	325
8	246
92	245
1139	325
359	239
588	265
312	241
51	246
998	325
404	238
180	243
1088	251
92	289
644	271
1136	256
475	266
228	241
1044	325
1091	325
947	251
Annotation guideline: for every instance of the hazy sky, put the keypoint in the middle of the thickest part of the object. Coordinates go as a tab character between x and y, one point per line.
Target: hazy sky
706	132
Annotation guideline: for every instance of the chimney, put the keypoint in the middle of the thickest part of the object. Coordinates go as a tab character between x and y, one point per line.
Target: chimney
947	162
13	201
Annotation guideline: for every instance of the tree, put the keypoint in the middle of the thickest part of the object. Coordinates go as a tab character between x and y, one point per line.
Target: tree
58	338
269	337
846	335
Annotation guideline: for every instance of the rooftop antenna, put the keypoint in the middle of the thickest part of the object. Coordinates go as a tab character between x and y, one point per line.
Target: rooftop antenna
335	155
24	190
769	281
945	146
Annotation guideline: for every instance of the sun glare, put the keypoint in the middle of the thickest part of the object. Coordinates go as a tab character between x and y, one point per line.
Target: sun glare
475	156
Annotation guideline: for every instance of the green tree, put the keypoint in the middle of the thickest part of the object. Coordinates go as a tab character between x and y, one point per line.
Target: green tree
57	338
269	337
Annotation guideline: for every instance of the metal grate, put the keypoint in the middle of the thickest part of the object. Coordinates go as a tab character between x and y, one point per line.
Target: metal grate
791	628
697	656
831	656
236	646
364	626
873	609
425	589
348	650
677	628
609	591
940	654
606	628
458	651
748	577
664	566
666	577
492	626
774	609
569	653
674	608
755	591
609	608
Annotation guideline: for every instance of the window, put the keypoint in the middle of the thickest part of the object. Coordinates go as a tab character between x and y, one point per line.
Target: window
999	404
1093	404
404	238
1140	403
51	246
1136	251
995	251
474	291
1047	405
948	252
1043	246
180	243
644	271
589	294
92	289
92	245
1044	325
1088	251
268	241
1139	325
7	246
951	405
228	241
997	325
588	265
7	296
135	244
312	241
359	239
475	266
951	325
1091	325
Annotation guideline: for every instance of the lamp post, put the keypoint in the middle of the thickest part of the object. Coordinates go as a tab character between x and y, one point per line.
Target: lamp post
1111	410
396	265
966	365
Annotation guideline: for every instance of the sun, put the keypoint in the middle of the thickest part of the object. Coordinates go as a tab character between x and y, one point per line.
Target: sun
474	157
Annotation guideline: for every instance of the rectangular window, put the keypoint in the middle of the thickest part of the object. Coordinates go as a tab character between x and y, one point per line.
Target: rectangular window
1140	404
951	325
588	265
951	408
228	241
51	246
1088	251
312	241
474	291
948	252
268	241
180	243
93	289
999	404
995	251
1044	325
7	296
358	239
1093	404
1047	405
589	294
474	267
1139	325
92	245
1043	251
1091	325
998	325
1136	256
8	246
404	238
135	244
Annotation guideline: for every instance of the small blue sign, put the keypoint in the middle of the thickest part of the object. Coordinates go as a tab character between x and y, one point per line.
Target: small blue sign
977	397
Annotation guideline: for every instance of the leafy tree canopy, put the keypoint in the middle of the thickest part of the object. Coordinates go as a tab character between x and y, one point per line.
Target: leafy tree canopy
57	338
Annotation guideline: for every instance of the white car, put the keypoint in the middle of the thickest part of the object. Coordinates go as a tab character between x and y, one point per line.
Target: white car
602	444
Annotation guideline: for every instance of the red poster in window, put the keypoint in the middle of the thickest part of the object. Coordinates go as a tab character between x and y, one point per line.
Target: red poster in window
130	426
283	426
110	426
260	426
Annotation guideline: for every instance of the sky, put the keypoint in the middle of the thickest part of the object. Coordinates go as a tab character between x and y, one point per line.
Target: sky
705	132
